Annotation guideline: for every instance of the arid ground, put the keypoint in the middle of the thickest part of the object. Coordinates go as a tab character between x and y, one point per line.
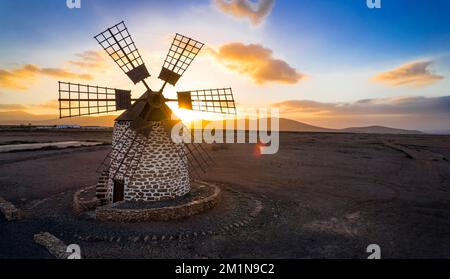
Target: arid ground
324	195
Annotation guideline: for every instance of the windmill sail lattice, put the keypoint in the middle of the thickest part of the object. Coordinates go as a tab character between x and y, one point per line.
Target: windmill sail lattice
81	99
117	42
208	100
180	56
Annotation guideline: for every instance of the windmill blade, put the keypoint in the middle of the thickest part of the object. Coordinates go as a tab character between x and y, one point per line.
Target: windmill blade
208	100
82	99
180	56
198	158
119	45
112	154
124	154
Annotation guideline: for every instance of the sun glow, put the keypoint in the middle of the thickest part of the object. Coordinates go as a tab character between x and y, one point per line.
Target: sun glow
188	116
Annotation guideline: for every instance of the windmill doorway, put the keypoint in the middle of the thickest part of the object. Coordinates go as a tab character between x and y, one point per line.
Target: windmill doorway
118	191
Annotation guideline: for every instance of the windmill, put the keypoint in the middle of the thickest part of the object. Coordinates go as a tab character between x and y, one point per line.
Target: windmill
144	164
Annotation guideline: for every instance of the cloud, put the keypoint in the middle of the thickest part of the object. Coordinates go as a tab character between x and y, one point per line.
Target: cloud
414	74
257	62
19	78
90	60
387	106
422	113
255	11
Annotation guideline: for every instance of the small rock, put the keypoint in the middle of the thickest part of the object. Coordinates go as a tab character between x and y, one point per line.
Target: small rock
9	211
54	245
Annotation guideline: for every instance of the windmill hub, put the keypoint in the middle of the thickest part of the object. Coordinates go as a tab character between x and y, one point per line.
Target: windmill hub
156	100
144	164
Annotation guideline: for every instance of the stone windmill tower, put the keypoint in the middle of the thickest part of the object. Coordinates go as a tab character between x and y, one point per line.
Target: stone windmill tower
144	163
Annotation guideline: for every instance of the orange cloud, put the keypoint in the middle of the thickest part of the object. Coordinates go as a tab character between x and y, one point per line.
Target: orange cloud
414	74
18	78
90	60
257	62
255	11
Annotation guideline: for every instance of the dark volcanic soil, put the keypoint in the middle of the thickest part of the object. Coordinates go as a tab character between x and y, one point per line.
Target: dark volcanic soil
322	196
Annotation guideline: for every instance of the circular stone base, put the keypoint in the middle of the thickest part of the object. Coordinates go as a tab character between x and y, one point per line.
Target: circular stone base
203	196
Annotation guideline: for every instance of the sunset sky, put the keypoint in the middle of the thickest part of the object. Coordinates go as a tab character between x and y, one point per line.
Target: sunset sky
328	63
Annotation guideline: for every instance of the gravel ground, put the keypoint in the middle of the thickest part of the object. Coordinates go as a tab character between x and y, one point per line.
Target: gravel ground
321	196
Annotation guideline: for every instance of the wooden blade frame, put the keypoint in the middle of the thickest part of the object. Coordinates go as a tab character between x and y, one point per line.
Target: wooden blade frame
180	56
119	45
82	100
198	158
208	100
128	160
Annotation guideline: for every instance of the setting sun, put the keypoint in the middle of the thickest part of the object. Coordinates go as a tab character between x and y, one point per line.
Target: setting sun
188	116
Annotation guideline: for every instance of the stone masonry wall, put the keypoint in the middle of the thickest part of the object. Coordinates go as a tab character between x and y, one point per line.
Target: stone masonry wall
155	169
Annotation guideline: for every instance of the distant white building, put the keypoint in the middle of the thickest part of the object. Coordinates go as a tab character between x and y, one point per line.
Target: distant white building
96	128
68	126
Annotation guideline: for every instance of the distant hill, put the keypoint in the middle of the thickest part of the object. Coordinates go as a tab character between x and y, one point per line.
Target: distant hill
379	130
20	117
104	120
287	125
296	126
